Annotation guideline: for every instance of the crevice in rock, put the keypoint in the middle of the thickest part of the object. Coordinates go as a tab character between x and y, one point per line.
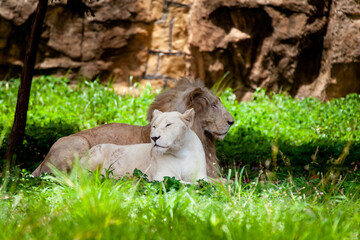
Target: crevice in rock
177	4
349	75
171	33
82	38
221	17
311	59
156	52
353	16
309	62
240	56
158	58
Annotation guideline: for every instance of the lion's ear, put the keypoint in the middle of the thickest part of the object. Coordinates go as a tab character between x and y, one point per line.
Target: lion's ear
194	94
156	113
189	116
196	99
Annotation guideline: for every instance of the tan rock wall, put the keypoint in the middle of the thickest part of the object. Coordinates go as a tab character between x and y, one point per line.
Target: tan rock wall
168	49
340	68
270	44
308	48
143	39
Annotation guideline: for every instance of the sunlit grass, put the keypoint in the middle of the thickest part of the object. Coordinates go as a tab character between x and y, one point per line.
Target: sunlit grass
295	132
79	206
320	203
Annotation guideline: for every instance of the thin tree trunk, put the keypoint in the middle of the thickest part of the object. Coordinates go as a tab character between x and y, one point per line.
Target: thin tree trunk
18	129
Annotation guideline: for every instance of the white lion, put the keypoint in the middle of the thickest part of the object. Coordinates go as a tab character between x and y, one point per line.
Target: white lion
175	151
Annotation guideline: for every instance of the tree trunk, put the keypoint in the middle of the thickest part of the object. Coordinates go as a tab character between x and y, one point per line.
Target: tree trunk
18	129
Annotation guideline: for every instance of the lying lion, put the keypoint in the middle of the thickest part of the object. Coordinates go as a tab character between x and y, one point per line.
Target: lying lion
212	121
175	151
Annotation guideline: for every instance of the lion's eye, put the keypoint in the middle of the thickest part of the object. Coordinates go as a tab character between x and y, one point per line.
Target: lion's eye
214	106
167	125
153	126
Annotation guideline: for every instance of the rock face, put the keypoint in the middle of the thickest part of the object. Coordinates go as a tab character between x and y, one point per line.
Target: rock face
143	39
340	65
266	44
308	48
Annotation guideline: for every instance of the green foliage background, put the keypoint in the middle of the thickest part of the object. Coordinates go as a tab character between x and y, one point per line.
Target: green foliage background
57	109
271	127
298	132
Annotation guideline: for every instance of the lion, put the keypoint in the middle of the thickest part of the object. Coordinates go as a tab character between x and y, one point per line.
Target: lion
175	151
212	121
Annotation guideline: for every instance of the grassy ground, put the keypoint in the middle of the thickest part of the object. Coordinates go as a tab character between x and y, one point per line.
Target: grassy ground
319	201
90	207
274	127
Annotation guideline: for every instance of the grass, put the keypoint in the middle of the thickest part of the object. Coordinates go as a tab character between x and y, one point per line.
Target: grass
57	110
79	206
299	132
272	127
273	133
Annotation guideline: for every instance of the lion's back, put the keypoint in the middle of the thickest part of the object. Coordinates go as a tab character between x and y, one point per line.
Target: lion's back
119	159
114	133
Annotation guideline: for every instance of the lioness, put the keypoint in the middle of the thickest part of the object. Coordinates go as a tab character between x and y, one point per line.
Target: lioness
175	151
212	121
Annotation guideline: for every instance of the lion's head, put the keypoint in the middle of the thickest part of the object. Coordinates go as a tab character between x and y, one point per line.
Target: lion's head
211	117
169	129
212	121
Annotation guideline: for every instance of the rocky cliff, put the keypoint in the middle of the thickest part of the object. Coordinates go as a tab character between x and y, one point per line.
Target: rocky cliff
308	48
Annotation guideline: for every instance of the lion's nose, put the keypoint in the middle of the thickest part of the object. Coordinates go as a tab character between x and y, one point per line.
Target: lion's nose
155	138
231	122
230	119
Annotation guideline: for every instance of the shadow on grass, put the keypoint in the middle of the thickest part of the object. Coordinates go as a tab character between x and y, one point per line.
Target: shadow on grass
37	142
244	146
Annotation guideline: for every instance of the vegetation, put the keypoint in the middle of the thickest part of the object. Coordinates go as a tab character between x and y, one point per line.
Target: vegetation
277	128
18	127
273	136
57	110
293	132
94	207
